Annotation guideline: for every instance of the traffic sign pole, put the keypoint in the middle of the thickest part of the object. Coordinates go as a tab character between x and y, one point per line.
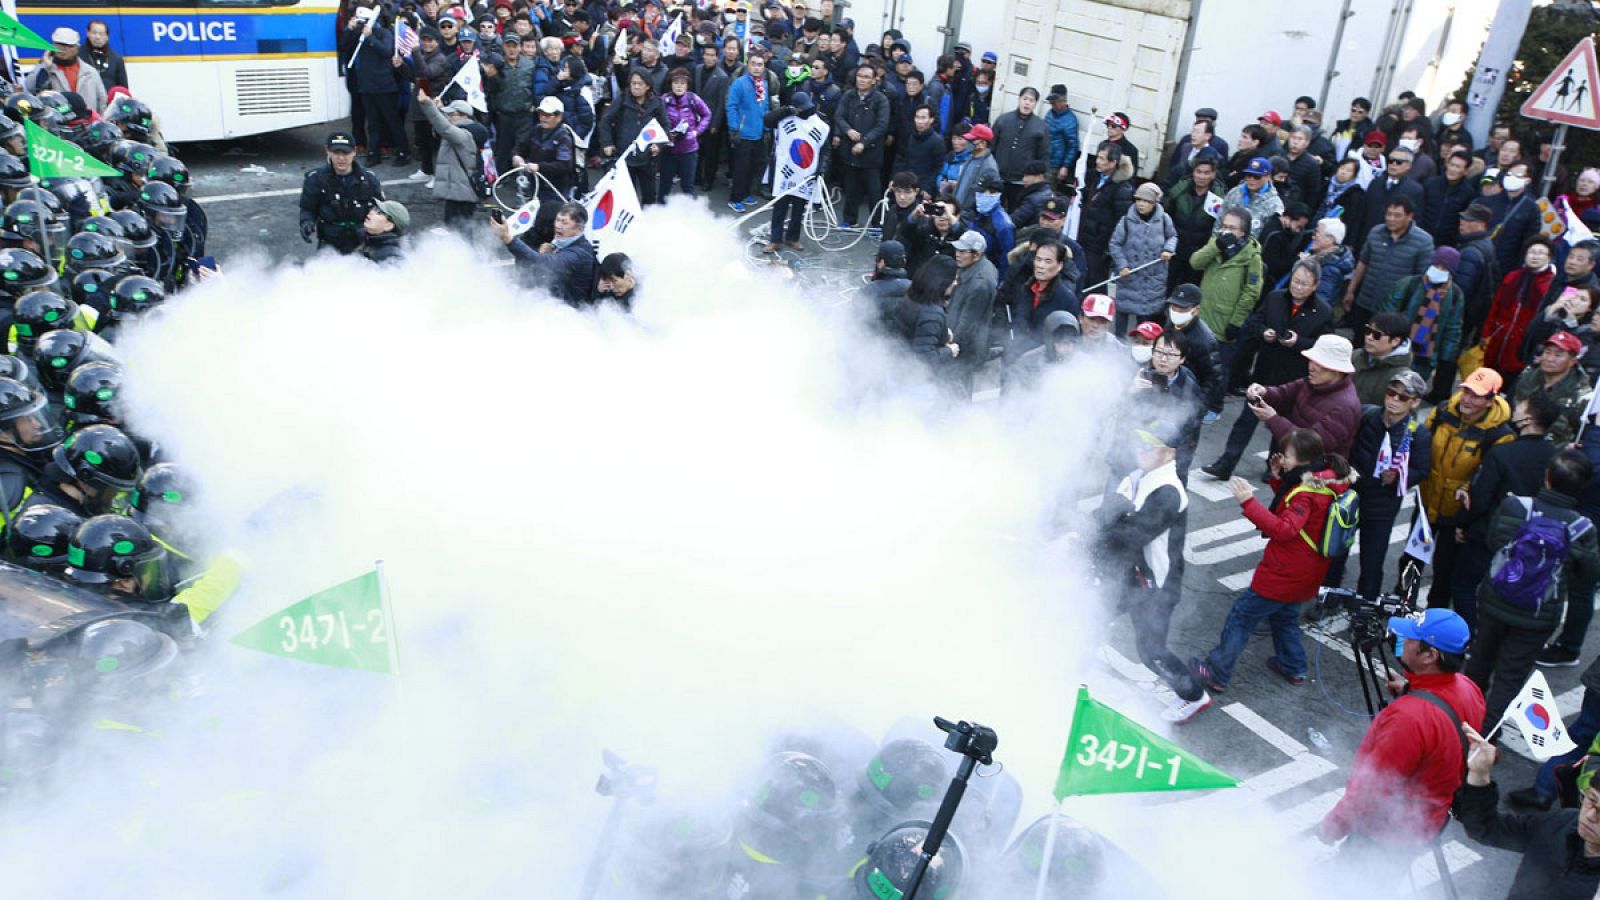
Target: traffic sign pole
1558	143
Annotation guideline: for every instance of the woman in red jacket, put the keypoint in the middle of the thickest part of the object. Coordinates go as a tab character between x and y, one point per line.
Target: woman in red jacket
1515	307
1305	480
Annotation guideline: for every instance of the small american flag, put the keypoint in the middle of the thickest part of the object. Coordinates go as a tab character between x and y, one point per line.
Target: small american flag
1402	461
405	38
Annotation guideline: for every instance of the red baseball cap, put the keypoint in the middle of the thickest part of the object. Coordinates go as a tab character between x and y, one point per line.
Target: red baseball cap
1567	341
980	133
1152	330
1375	138
1272	116
1099	306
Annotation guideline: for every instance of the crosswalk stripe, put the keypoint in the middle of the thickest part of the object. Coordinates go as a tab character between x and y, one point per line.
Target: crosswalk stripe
1307	815
1425	869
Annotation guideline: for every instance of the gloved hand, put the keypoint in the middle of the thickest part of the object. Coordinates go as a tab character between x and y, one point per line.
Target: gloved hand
308	231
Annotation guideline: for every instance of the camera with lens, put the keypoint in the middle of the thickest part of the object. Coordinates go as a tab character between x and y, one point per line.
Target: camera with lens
969	739
1369	619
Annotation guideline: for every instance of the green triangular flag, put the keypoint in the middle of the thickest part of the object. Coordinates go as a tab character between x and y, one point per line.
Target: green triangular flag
19	35
343	626
1110	753
52	157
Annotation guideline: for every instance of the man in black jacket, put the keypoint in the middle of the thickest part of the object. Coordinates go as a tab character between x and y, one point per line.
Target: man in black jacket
1378	484
1560	850
1509	635
710	84
921	151
1035	192
1020	137
1444	196
859	128
1478	274
1106	194
1394	182
113	71
1139	557
1202	355
566	266
335	197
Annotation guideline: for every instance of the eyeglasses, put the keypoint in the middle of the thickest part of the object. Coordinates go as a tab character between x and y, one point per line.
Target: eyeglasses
1393	394
1373	332
1168	354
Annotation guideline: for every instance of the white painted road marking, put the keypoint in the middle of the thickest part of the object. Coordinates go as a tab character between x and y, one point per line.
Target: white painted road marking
287	192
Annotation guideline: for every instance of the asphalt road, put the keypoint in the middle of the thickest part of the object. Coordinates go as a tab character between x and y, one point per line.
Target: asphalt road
1258	730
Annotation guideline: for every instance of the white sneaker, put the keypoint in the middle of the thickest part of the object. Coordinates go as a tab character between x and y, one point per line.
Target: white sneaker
429	185
418	175
1183	710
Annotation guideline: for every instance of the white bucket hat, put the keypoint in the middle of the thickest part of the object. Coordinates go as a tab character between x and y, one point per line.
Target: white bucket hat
1331	352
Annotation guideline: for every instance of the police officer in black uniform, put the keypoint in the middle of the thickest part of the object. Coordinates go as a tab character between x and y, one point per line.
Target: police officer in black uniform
336	197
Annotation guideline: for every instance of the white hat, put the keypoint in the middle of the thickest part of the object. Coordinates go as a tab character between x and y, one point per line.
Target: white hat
457	108
551	106
1331	352
65	35
972	241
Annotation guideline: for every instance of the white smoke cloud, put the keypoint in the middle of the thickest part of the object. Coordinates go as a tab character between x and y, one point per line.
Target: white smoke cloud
672	534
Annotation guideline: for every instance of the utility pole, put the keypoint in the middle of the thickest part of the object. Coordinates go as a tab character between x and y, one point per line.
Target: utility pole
1489	81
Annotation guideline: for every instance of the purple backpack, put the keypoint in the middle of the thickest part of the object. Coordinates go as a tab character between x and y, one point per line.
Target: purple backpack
1526	572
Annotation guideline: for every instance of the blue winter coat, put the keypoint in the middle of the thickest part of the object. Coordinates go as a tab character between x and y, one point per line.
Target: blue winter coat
1063	138
745	113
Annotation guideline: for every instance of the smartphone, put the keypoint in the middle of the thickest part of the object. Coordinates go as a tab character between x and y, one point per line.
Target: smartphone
932	209
204	262
497	215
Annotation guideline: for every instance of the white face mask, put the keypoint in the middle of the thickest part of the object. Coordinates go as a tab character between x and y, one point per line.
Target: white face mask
1180	318
1514	182
1412	144
1451	119
1142	353
1436	275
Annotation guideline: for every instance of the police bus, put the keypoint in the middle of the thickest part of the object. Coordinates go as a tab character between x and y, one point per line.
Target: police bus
216	69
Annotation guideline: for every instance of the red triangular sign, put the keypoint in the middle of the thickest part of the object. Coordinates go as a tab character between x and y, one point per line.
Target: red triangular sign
1568	96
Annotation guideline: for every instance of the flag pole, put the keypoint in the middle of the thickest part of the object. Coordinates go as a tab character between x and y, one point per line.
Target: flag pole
1049	850
388	614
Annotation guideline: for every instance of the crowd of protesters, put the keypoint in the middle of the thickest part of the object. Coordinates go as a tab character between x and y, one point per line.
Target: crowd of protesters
1395	303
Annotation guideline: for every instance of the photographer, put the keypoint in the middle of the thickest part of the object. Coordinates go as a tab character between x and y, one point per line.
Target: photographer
1560	850
1395	420
1411	759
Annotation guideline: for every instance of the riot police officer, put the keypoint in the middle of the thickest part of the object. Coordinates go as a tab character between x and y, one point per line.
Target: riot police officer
336	197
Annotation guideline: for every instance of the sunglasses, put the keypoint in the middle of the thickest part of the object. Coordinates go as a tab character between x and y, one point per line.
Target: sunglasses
1393	394
1373	332
1398	161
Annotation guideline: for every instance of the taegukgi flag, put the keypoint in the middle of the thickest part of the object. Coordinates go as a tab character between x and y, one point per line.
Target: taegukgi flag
800	143
613	208
1536	715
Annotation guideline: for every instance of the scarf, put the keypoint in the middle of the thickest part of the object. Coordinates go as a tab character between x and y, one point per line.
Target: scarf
761	89
1335	191
1425	330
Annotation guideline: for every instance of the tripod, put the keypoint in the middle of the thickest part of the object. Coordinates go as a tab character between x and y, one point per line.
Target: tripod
976	745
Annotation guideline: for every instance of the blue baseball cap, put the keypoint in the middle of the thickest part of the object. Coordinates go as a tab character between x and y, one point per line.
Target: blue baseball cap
990	56
1259	166
1441	628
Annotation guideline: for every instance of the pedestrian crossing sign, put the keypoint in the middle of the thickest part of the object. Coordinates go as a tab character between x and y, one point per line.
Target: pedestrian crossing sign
1567	96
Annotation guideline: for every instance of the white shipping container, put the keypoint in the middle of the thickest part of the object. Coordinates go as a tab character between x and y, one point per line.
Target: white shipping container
1244	57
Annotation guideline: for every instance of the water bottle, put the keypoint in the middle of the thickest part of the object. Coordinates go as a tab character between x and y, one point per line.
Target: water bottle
1317	740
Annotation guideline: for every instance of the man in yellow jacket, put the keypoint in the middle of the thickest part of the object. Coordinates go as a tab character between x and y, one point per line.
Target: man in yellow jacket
1464	428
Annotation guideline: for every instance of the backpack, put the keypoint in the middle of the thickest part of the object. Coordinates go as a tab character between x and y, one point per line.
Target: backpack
1526	573
1344	519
